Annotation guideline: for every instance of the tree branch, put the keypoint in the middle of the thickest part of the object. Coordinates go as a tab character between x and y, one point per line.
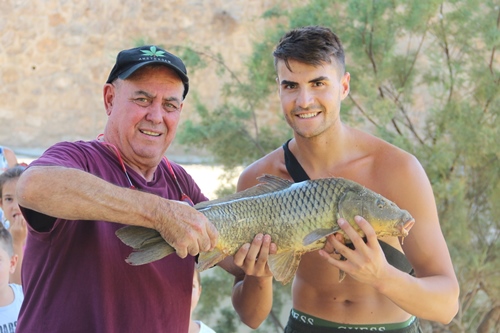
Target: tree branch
362	110
447	52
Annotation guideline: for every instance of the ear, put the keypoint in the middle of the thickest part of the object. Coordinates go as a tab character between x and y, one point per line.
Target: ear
109	95
345	82
13	263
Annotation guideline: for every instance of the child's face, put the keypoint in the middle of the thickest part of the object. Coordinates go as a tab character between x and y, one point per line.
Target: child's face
7	266
8	202
195	296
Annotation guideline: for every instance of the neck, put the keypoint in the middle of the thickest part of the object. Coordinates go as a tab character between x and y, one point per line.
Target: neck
146	171
6	295
321	154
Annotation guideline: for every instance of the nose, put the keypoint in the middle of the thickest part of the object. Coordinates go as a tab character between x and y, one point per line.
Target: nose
305	98
155	113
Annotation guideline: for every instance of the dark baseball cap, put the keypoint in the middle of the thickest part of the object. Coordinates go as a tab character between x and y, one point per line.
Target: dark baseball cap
128	61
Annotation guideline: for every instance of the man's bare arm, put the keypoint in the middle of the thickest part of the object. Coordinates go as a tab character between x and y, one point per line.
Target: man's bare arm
74	194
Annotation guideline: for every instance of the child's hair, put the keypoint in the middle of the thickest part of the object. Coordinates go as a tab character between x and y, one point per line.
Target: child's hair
11	173
6	241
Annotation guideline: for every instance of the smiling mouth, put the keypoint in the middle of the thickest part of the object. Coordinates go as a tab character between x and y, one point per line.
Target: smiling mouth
149	133
307	115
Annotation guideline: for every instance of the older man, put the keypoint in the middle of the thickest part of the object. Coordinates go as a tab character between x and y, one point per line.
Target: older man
78	194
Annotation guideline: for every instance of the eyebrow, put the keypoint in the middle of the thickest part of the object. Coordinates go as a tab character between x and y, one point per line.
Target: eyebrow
142	92
168	99
320	78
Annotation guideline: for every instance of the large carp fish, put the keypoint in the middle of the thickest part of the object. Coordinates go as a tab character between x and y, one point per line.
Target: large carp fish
297	216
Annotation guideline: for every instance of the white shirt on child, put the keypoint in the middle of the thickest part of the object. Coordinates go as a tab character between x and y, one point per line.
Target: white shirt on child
204	328
9	313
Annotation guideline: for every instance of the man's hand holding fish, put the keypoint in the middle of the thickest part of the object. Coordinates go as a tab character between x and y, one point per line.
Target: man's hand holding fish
364	262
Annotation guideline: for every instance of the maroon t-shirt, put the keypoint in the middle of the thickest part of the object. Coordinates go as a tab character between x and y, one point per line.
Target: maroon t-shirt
74	274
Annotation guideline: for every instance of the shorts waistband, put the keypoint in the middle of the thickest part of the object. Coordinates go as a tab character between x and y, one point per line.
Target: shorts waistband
304	320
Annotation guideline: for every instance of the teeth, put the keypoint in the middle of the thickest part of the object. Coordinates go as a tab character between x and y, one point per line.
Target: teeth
308	115
151	133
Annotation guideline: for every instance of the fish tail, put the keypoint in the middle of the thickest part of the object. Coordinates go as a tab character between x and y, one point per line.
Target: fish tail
149	253
137	237
147	244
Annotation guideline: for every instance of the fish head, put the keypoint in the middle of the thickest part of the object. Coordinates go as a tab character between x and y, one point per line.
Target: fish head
386	218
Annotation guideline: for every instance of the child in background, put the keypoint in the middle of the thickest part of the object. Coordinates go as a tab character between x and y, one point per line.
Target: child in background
196	326
11	295
15	221
8	159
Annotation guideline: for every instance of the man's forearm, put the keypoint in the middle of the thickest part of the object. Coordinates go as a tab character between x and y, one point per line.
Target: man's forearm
74	194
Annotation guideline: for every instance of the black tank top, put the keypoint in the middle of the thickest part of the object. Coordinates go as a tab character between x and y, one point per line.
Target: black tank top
298	174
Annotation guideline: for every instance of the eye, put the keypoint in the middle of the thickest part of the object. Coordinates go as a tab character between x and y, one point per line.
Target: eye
142	101
319	84
289	86
170	107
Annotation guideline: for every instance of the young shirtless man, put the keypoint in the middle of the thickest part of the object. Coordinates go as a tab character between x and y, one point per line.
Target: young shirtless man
378	293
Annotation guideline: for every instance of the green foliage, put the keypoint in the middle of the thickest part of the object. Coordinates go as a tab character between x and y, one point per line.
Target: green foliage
214	296
425	76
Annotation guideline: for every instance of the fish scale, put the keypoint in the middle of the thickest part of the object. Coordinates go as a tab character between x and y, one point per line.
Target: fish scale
279	209
298	216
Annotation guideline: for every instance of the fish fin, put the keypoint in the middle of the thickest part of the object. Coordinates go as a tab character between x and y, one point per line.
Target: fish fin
341	272
318	234
147	243
209	259
284	265
137	237
150	253
341	275
268	184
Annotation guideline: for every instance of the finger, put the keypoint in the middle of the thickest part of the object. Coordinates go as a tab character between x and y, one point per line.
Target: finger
194	250
273	248
264	250
337	247
334	259
340	237
329	244
241	254
349	230
256	246
213	236
366	227
181	252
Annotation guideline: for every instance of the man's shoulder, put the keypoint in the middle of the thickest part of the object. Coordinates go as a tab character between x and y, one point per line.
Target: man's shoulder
386	155
273	163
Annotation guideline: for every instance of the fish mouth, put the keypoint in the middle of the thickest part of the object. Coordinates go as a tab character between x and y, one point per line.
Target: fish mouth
405	228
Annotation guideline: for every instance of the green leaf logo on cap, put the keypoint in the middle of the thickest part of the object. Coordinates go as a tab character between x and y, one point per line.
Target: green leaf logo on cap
152	52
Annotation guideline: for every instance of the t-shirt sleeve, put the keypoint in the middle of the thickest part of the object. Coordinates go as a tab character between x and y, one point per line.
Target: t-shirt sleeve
66	154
